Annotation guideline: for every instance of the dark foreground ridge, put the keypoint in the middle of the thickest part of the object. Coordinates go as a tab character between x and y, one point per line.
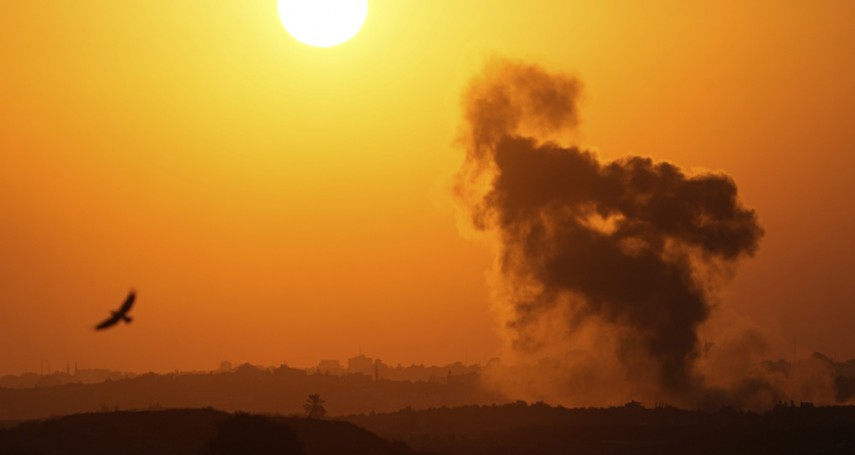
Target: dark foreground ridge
516	428
191	431
520	428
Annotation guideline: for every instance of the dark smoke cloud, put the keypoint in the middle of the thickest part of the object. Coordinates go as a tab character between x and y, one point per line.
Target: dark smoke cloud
633	245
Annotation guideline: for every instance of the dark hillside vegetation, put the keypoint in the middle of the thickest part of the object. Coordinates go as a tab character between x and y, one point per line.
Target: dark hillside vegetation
632	429
517	428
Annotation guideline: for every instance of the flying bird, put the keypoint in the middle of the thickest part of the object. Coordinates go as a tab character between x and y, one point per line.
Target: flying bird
121	314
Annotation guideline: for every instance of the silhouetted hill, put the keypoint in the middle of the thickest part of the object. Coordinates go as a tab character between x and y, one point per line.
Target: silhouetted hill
281	390
516	428
521	428
191	431
166	432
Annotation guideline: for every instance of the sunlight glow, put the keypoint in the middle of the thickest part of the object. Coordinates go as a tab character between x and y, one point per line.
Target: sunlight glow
323	23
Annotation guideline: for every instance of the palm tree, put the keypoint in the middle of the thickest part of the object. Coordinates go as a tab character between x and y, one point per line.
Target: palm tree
314	407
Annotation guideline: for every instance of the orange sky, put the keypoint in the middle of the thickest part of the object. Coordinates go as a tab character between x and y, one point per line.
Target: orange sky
274	202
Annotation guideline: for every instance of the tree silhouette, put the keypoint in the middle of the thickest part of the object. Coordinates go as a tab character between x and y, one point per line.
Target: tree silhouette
314	407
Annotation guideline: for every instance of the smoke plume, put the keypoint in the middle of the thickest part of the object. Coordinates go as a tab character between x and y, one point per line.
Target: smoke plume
606	270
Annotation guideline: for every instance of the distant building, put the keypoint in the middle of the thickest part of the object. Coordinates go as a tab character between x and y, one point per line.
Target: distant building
361	364
378	364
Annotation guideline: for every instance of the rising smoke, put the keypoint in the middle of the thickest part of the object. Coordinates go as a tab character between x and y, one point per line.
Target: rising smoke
605	270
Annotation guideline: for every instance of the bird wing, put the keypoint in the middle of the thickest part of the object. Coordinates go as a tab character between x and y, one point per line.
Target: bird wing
111	321
129	302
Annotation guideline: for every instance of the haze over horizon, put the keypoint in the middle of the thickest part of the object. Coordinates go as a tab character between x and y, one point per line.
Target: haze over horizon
275	203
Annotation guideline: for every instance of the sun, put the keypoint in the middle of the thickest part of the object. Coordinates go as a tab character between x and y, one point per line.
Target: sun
323	23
